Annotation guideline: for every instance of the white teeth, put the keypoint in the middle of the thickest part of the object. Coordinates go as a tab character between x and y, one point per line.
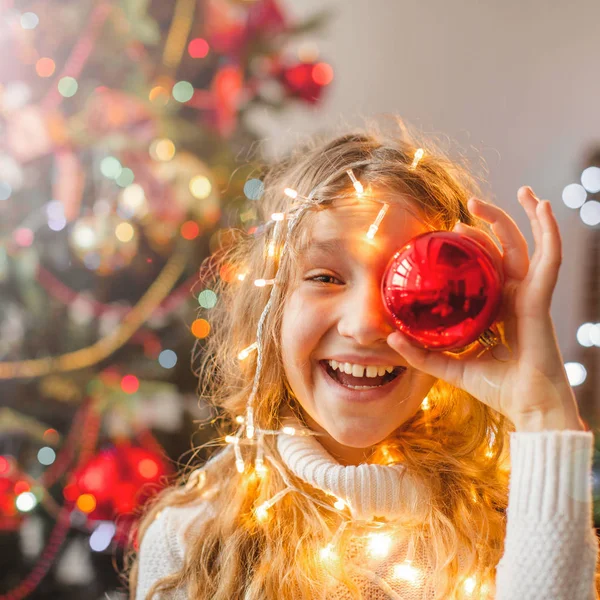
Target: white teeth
373	371
358	370
361	370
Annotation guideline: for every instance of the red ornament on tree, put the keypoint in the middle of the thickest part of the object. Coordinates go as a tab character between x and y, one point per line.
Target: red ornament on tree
442	290
114	483
306	80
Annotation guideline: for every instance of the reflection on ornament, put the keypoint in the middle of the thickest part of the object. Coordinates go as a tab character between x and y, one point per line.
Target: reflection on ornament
102	242
442	290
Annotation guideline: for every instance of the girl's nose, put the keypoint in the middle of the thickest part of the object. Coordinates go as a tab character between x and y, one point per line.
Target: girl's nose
364	317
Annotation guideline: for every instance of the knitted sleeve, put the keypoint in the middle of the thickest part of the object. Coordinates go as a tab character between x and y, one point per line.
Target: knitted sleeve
551	546
162	548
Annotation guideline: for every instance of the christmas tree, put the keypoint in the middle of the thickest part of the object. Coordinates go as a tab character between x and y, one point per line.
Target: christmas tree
126	160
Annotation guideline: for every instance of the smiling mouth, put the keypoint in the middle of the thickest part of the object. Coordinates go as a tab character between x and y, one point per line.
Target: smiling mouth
361	383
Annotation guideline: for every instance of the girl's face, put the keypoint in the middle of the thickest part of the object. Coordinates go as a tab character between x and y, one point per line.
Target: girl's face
335	312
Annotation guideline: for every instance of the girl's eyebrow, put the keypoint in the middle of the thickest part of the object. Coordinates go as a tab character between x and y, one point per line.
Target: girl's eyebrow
330	246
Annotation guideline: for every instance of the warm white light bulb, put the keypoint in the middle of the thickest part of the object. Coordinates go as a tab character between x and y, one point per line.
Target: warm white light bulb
289	430
328	553
339	504
290	193
418	156
262	514
261	468
246	351
278	216
379	544
406	571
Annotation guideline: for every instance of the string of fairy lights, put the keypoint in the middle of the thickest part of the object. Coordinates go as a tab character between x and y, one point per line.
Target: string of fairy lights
380	536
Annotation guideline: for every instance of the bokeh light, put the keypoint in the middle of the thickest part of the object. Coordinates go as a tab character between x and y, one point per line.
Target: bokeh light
5	190
125	178
253	189
46	455
110	167
23	237
86	503
583	334
167	359
207	299
200	187
183	91
124	232
198	48
576	373
200	328
590	213
67	86
5	465
130	384
190	230
574	195
133	200
590	179
308	52
322	73
45	67
51	436
148	468
102	536
22	486
26	502
227	273
29	20
162	149
159	95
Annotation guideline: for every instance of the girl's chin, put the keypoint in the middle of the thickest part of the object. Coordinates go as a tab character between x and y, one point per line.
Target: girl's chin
358	434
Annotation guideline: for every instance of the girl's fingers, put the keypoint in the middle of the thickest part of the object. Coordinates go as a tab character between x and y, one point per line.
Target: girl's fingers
516	257
437	364
485	240
545	272
529	202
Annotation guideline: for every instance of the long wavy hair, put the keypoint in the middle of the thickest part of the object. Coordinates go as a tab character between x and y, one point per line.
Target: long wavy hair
456	448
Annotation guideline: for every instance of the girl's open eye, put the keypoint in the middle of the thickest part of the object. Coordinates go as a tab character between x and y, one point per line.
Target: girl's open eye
316	278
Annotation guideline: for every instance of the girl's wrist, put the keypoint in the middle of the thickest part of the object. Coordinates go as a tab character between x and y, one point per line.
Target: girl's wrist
557	420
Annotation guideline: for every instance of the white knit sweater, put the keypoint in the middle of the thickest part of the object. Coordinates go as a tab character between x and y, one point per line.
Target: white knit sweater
550	546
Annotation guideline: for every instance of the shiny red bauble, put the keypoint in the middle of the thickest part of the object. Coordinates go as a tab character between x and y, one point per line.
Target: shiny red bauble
117	477
442	290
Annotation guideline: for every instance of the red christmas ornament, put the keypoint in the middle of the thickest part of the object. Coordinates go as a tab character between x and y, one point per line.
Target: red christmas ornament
305	80
113	484
442	290
10	480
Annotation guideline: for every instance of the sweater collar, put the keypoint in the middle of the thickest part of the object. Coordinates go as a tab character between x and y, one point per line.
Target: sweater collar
369	490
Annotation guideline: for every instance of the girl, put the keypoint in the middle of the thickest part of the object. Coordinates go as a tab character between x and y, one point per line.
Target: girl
356	464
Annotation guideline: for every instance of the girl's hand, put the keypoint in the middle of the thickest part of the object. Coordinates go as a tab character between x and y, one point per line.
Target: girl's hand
531	387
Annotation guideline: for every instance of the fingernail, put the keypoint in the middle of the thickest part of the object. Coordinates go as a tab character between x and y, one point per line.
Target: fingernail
532	192
394	338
